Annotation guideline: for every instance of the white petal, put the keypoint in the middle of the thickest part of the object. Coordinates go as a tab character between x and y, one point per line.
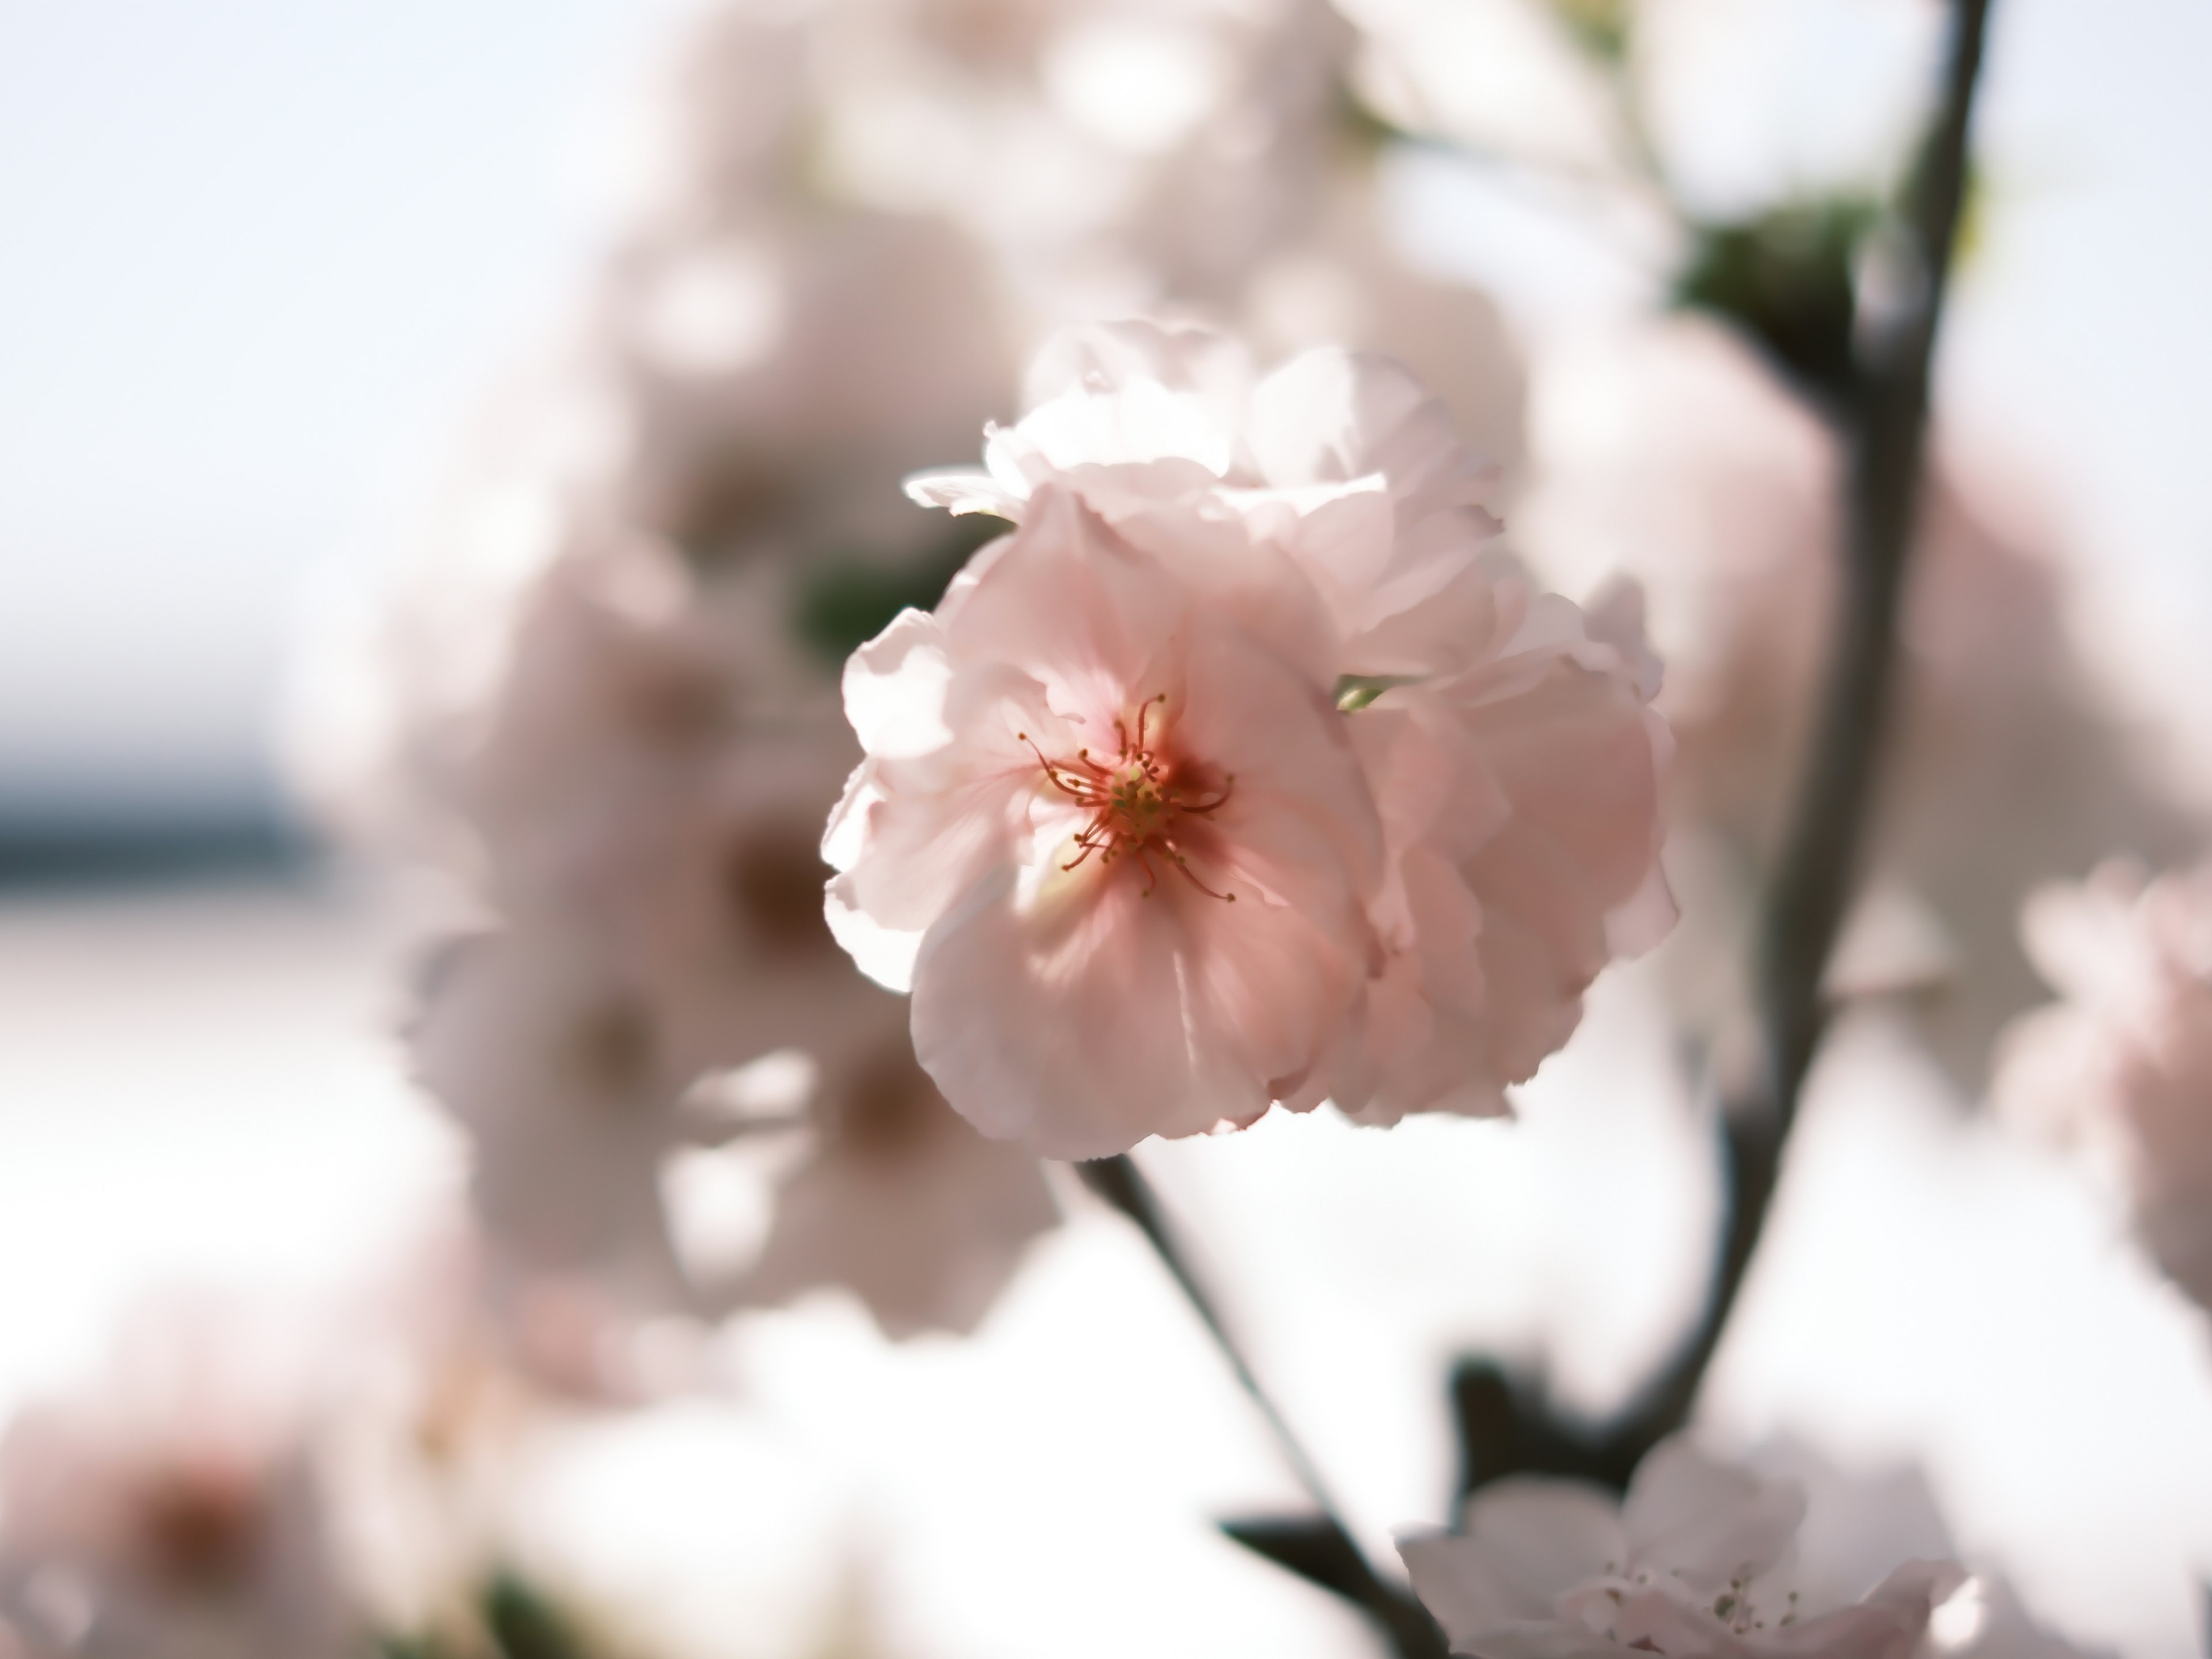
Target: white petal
965	490
1707	1521
885	955
895	689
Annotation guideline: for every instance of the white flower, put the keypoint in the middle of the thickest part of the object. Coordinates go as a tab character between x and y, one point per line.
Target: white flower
1246	637
1668	451
1693	1565
645	810
170	1510
1111	154
2124	1064
1120	830
1521	808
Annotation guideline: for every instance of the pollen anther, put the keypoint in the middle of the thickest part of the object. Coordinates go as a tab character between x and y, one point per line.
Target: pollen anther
1137	805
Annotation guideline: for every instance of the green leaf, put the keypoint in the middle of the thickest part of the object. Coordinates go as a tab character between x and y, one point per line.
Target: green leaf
842	603
1785	279
1602	26
526	1625
1355	691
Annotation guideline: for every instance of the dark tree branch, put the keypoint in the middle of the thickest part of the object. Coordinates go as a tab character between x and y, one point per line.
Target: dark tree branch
1885	418
1321	1549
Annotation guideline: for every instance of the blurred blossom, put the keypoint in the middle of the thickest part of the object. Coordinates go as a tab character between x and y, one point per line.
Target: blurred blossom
1388	812
1670	448
598	698
1667	449
1695	1564
550	1068
2006	767
1664	447
647	792
2122	1065
1113	154
169	1509
613	1185
1508	77
1858	1521
425	1410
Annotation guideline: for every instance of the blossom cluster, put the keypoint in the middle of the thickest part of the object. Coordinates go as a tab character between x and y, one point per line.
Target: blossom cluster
1245	770
1252	764
601	693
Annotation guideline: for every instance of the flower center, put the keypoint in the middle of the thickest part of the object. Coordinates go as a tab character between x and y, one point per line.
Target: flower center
1139	803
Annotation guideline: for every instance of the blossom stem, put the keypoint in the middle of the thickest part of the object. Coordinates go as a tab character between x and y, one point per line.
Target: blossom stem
1411	1632
1887	419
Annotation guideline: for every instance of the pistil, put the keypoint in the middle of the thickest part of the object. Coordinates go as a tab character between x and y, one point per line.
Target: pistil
1137	803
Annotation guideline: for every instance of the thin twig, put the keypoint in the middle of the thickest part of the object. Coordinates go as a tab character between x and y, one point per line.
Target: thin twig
1121	1184
1814	876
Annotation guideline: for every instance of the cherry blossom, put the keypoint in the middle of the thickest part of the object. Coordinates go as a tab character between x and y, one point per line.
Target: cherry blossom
2124	1065
170	1507
1693	1563
1113	832
1236	610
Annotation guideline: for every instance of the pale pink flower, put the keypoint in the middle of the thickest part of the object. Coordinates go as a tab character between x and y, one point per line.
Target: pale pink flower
1341	460
1208	571
647	794
902	1202
1694	1565
1112	154
585	1141
552	1069
170	1508
1668	451
2124	1065
1521	807
427	1404
1112	828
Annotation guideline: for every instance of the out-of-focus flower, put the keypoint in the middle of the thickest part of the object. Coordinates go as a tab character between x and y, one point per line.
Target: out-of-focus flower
1694	1565
1668	451
170	1511
900	1200
427	1400
649	814
1113	154
606	1180
549	1065
1121	792
1505	77
601	699
2124	1065
2007	768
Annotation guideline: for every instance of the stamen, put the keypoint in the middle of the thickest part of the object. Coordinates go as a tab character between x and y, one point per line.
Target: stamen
1136	804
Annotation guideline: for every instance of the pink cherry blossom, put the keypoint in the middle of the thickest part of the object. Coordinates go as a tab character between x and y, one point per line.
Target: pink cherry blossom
170	1507
646	793
1694	1565
1249	640
1521	805
2124	1065
1111	829
1342	460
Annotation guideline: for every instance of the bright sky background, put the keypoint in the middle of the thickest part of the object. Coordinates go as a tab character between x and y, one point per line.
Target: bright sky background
259	254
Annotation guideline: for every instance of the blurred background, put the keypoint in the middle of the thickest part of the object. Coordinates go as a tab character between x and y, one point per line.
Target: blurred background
282	284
